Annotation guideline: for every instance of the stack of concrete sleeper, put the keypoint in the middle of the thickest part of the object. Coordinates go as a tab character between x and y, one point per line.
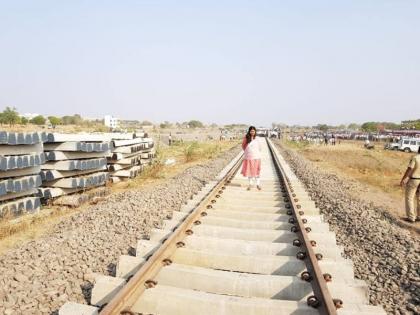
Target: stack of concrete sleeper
21	157
129	157
75	162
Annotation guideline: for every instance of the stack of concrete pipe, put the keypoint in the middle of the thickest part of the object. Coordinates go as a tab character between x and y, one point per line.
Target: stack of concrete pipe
21	157
75	162
129	156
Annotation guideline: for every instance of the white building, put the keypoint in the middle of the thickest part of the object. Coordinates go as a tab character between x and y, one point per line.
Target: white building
111	121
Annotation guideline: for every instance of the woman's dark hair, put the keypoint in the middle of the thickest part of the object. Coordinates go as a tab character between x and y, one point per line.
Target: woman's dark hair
248	135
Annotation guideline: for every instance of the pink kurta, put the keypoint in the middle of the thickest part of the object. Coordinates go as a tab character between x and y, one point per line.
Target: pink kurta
251	166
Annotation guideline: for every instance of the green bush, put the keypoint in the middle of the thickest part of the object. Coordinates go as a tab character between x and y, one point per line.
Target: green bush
191	151
154	170
55	121
9	116
38	120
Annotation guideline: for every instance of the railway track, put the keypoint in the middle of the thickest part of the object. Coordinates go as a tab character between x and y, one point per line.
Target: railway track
231	251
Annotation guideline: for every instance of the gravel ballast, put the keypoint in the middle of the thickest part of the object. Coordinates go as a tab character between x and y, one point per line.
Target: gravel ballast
40	276
384	254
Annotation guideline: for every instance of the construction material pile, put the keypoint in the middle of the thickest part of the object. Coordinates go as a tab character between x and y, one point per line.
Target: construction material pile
51	165
129	155
75	162
21	157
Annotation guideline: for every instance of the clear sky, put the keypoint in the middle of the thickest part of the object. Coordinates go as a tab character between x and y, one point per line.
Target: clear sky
296	62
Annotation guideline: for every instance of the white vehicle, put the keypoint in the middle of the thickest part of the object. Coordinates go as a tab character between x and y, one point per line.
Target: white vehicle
409	144
262	132
392	146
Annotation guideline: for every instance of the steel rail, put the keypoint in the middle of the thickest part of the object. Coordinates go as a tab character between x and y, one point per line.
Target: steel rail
322	299
143	278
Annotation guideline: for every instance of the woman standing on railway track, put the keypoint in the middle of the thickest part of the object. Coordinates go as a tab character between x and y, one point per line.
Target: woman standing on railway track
251	166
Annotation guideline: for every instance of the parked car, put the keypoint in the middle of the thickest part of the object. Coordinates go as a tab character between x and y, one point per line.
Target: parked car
409	144
392	146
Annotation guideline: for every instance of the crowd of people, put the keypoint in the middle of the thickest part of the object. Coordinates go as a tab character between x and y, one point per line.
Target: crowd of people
317	139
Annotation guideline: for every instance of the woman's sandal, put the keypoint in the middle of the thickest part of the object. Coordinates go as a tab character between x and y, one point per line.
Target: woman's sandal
258	187
249	188
408	220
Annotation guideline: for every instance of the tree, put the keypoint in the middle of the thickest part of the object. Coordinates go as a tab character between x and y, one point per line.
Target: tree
233	126
375	126
146	123
322	127
76	119
9	116
165	124
353	126
195	124
24	120
38	120
391	125
67	120
370	126
55	120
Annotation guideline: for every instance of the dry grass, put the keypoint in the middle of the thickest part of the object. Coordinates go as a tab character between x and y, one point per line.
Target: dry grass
208	150
378	167
378	170
60	128
185	154
17	231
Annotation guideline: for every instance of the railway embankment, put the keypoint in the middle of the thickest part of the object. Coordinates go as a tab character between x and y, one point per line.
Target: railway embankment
385	254
40	275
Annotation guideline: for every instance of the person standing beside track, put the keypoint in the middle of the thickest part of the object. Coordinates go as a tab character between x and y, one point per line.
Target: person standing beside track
412	186
251	166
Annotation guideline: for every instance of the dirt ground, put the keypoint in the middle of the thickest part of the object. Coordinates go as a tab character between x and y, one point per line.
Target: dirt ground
378	171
